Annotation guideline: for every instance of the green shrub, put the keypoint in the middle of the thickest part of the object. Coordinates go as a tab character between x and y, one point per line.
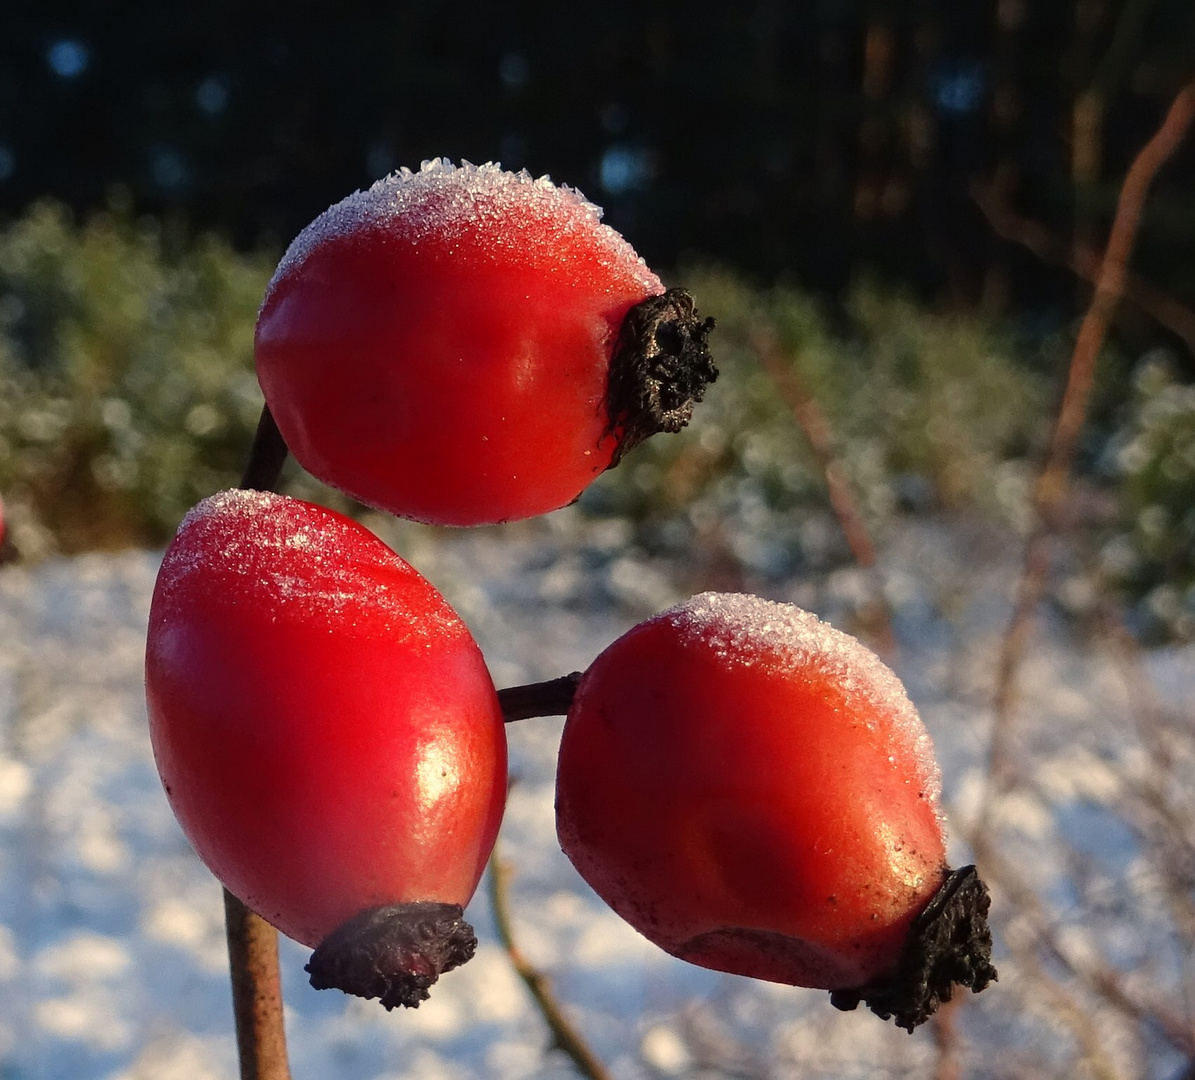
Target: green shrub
922	409
126	382
1152	456
127	394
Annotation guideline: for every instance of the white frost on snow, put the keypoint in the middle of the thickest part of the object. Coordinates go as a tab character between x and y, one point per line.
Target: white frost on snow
111	947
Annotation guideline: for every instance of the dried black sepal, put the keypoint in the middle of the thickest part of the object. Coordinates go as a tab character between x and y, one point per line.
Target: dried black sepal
950	945
659	369
394	952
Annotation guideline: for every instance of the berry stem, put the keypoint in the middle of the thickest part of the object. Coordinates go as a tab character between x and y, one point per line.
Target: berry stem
267	455
253	942
256	993
551	698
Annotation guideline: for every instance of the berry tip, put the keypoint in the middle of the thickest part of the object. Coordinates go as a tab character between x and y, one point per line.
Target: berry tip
393	953
949	945
659	370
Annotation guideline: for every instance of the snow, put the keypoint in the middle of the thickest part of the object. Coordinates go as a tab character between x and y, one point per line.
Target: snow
112	961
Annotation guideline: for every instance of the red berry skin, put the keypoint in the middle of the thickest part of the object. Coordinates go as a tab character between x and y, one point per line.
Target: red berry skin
438	345
752	791
325	727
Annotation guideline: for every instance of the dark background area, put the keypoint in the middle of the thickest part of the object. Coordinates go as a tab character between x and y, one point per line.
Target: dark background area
809	140
896	204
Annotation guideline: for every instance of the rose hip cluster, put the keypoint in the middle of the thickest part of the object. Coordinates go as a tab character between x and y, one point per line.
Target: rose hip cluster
747	787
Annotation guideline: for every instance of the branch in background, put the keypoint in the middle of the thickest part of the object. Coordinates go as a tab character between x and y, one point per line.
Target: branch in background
1111	280
1081	260
946	1040
253	942
1053	478
816	429
565	1036
1163	828
1093	972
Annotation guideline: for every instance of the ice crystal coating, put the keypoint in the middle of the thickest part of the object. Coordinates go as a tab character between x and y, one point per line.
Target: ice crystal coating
494	210
739	629
310	563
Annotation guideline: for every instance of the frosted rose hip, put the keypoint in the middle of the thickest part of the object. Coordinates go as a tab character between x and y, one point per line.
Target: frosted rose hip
441	345
324	724
753	791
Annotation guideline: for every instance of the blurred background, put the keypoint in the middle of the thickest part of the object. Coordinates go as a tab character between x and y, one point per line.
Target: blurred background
894	212
894	192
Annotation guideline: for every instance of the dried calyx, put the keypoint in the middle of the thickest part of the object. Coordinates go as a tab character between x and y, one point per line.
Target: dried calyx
659	370
950	945
394	952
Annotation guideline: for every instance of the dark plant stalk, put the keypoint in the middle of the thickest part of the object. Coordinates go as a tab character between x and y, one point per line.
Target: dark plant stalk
551	698
253	942
256	993
267	455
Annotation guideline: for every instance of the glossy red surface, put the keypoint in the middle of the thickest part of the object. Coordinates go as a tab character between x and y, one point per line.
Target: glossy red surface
325	726
749	809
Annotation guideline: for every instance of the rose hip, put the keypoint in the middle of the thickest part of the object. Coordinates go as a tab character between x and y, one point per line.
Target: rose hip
753	791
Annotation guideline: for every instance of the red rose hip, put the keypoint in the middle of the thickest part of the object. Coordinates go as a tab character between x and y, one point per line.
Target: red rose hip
468	345
327	733
753	791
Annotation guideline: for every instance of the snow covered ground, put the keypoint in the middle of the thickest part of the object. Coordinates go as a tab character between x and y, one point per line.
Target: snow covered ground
112	962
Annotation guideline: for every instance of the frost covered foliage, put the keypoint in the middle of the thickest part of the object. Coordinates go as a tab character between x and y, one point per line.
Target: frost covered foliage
921	411
127	394
1153	459
126	381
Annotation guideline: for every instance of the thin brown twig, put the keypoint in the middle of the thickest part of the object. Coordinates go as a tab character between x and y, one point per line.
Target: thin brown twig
1066	1003
256	993
817	431
1053	478
1082	260
1110	285
946	1041
1162	827
566	1037
253	942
